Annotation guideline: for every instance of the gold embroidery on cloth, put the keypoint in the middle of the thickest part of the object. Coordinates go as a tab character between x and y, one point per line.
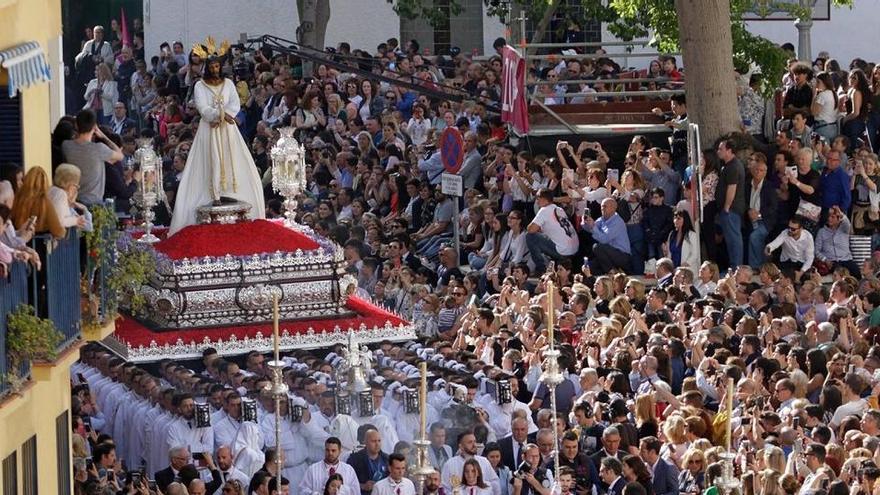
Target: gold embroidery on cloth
220	140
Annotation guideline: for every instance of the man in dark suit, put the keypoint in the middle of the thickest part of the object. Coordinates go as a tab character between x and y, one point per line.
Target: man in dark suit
611	474
179	458
119	122
664	272
512	445
585	475
370	463
762	213
438	452
610	448
664	474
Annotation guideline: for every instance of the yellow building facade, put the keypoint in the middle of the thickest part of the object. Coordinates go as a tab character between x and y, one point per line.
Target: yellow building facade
23	21
34	421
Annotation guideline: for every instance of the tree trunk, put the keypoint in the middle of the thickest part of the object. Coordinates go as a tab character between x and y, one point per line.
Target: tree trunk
313	18
707	52
516	34
538	35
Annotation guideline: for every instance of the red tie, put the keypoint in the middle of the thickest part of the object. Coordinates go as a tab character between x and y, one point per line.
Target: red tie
332	470
397	490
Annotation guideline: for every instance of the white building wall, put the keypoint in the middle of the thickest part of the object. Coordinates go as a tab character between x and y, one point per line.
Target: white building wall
191	21
833	36
493	28
850	33
366	23
363	23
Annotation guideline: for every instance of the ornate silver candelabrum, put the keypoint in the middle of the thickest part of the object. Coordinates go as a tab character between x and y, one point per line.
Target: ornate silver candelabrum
288	171
727	483
551	376
151	190
423	466
357	361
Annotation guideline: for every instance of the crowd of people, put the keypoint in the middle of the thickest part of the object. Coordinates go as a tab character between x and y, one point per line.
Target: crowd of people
657	308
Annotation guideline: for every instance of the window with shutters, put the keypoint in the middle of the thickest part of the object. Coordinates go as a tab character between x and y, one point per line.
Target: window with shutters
10	474
29	467
10	127
62	441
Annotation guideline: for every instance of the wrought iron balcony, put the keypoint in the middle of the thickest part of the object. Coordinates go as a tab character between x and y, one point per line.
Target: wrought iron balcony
54	292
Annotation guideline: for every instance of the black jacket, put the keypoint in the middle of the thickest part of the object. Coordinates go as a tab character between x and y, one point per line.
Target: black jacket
769	203
657	223
507	450
360	462
164	478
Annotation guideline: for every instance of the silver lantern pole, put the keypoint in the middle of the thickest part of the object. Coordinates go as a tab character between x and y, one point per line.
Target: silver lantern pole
727	482
277	388
551	375
423	467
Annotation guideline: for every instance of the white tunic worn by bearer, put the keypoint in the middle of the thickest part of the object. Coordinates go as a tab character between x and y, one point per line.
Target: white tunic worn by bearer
244	439
318	473
219	163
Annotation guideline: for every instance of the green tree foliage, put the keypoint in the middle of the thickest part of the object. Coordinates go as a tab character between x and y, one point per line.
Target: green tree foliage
634	19
425	9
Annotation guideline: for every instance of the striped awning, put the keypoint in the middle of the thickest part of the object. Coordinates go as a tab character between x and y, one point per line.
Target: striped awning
26	65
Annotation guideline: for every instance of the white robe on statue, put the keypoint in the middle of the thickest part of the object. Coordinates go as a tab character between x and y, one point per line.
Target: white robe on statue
219	163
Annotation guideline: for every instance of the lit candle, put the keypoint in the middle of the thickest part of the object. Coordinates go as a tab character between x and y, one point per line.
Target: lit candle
729	412
423	400
550	313
161	183
275	323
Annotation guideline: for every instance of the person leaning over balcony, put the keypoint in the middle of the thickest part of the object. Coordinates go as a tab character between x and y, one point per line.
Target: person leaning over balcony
33	205
9	238
63	196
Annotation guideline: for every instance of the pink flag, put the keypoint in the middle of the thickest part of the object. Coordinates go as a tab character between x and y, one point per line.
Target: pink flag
514	108
123	24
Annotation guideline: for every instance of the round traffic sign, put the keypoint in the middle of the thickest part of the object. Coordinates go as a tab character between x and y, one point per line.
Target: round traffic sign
451	149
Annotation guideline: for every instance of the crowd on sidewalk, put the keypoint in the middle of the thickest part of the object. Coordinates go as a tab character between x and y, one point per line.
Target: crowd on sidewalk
762	288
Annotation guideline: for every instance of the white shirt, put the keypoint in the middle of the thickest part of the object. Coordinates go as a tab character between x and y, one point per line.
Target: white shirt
418	130
475	490
828	113
317	474
851	408
453	467
499	416
136	432
244	439
158	450
755	196
386	430
555	225
233	473
66	214
387	486
184	433
106	51
799	250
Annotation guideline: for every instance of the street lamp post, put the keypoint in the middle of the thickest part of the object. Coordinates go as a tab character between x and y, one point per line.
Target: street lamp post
803	24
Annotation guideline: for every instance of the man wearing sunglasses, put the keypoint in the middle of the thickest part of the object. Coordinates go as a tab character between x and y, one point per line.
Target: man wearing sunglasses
797	248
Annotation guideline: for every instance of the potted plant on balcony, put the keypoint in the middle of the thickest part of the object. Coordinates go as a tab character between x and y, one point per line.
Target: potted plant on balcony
28	338
101	250
134	266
